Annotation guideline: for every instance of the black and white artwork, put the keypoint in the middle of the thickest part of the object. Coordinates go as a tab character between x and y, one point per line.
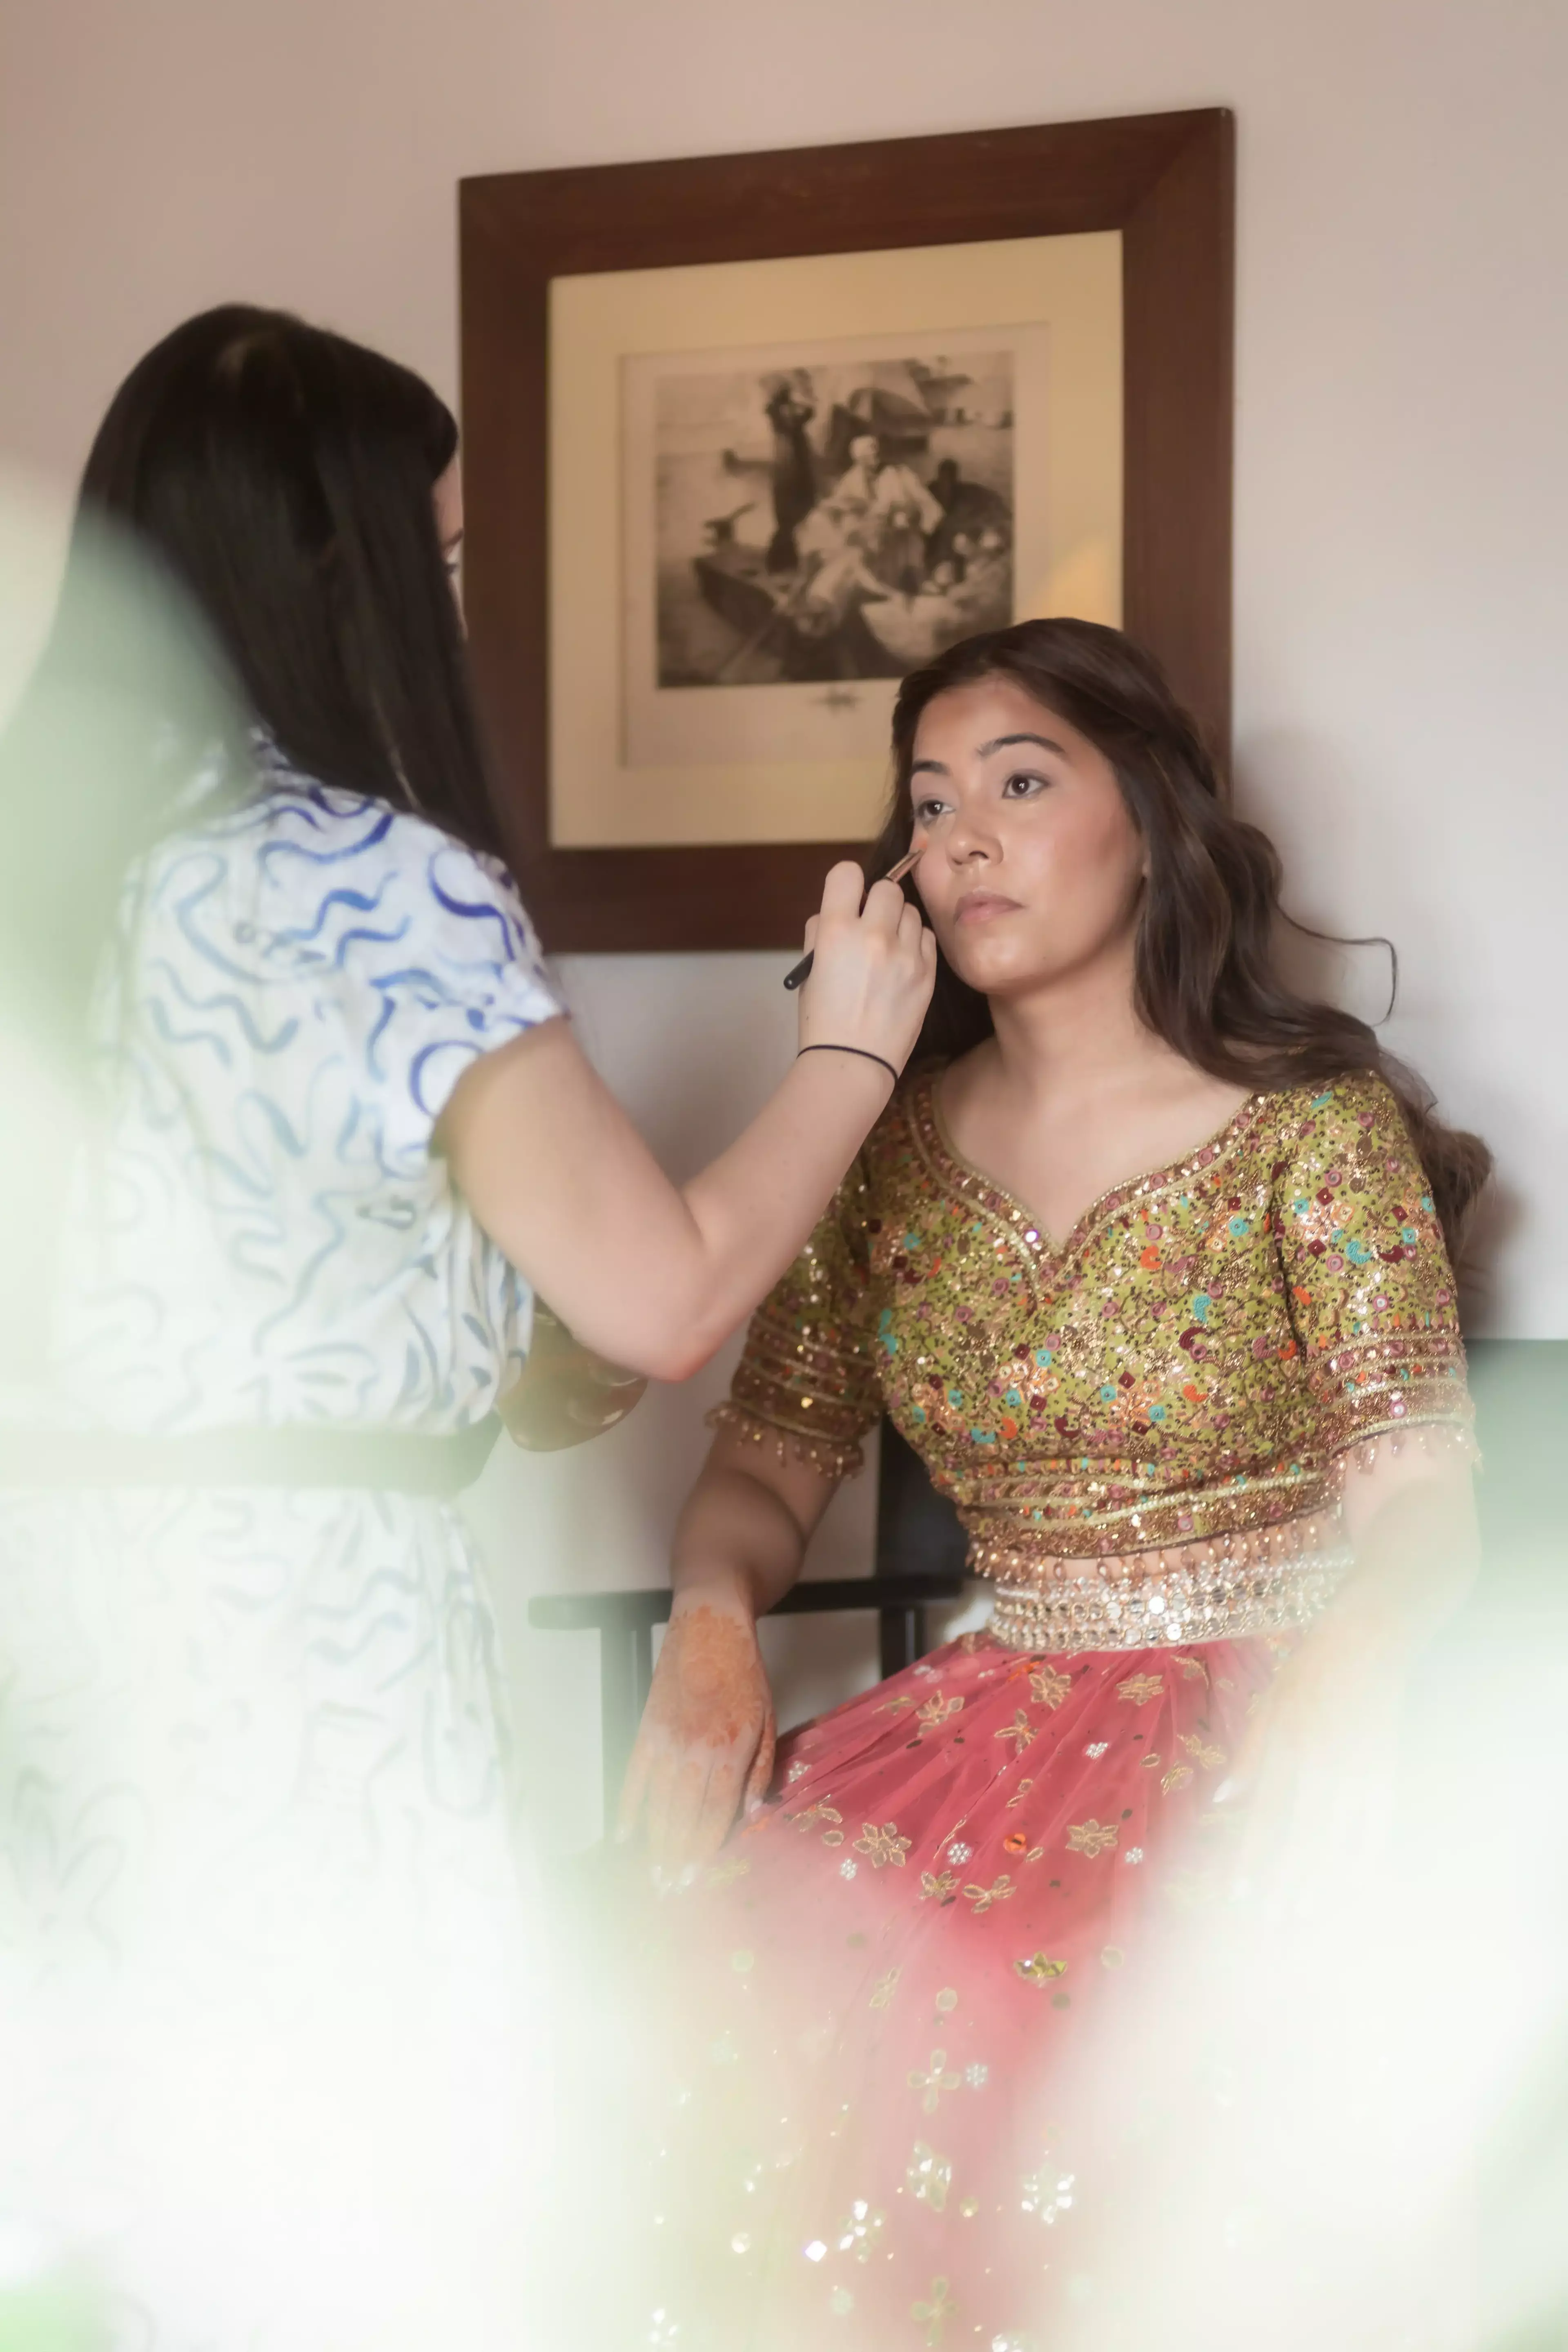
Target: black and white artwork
833	521
804	523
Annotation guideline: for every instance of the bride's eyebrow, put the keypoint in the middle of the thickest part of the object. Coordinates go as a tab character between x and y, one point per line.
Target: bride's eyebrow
1001	743
983	751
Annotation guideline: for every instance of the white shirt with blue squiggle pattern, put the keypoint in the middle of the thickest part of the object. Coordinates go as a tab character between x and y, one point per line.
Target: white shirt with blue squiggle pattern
302	984
253	1751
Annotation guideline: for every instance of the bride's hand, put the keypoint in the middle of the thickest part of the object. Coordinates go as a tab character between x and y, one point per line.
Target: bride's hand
705	1745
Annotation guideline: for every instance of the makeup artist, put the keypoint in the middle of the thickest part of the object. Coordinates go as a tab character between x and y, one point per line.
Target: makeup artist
345	1131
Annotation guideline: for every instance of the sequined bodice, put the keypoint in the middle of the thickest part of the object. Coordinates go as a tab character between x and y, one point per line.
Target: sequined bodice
1186	1365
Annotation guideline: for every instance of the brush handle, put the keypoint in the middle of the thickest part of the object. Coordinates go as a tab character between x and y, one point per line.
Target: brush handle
800	971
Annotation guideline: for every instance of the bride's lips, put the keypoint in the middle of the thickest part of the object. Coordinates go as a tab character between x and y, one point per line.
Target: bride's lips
979	906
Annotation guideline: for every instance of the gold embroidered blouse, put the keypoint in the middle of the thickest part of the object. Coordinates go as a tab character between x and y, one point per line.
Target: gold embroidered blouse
1187	1366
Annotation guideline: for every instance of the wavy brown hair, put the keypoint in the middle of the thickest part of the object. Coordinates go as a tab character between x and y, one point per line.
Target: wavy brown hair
1205	978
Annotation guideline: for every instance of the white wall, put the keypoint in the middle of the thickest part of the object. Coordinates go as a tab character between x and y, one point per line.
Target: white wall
1402	505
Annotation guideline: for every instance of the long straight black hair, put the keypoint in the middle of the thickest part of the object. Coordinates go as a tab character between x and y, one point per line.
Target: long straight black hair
284	477
1205	976
255	544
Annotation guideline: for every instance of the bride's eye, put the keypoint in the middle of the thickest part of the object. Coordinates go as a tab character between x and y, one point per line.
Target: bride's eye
1024	787
926	813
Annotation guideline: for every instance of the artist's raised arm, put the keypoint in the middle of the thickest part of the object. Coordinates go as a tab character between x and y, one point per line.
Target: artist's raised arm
649	1273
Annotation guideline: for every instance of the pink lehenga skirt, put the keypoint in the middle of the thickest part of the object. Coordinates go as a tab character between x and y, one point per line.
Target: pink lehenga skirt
895	2114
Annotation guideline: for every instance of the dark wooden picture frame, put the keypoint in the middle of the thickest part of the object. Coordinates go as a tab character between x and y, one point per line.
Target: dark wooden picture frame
1165	181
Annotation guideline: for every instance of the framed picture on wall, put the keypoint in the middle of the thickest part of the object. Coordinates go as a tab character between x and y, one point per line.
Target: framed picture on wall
748	438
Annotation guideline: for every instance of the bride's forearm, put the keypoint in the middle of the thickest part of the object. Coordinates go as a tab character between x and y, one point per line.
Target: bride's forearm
1416	1551
738	1544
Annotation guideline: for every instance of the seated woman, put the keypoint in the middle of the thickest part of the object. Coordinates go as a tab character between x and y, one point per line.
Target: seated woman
1195	1421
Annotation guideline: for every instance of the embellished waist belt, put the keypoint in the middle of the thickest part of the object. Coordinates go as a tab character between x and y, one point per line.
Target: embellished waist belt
1216	1597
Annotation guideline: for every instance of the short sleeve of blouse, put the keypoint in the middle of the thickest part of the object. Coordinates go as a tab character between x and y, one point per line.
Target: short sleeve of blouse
415	949
807	1376
1371	1291
472	979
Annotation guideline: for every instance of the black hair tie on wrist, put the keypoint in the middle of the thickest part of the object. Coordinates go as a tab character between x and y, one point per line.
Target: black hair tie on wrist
865	1056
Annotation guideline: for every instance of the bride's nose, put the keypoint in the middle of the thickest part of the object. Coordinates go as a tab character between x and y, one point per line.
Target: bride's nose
969	840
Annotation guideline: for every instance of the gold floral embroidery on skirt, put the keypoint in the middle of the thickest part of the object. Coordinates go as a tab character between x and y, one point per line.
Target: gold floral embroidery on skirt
983	1897
1139	1689
935	2309
882	1845
933	2081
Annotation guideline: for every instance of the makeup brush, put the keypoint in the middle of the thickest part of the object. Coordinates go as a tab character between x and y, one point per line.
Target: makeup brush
802	971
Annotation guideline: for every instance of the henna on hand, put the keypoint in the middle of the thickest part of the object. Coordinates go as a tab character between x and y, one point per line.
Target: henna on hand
705	1745
710	1687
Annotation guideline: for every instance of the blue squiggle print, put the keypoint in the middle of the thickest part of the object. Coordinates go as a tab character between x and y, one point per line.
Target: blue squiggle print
300	982
363	903
230	1003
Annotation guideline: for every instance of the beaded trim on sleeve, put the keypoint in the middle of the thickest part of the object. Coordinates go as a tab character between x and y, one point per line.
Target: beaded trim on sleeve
832	1457
798	1383
1454	1440
1385	1382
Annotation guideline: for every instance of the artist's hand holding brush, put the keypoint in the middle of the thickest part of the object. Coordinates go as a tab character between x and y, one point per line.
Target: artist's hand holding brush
870	972
648	1274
